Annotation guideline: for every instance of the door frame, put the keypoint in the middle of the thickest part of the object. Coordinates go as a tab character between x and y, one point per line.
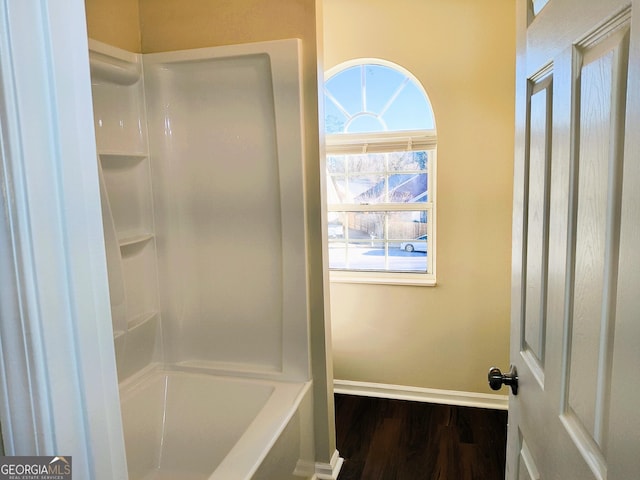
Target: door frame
58	382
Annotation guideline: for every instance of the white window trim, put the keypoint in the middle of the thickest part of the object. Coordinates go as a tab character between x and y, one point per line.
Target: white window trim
338	143
388	142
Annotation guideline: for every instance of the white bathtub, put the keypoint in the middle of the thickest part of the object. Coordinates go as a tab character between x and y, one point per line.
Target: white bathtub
196	426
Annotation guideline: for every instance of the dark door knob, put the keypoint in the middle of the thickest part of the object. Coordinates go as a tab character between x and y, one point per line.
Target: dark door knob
497	379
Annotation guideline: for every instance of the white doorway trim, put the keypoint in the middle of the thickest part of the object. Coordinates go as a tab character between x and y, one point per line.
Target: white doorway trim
58	385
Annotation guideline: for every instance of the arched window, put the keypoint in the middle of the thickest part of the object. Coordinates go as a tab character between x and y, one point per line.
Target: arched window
381	150
370	98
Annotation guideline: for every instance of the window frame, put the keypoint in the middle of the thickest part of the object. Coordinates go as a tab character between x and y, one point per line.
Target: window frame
385	142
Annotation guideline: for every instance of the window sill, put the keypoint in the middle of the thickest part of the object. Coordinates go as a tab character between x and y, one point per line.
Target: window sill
383	278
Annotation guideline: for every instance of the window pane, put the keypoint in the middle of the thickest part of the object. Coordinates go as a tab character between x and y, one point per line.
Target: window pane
368	188
356	256
366	162
393	241
345	87
409	187
406	225
336	189
410	111
336	163
410	253
381	83
409	161
335	119
403	261
376	178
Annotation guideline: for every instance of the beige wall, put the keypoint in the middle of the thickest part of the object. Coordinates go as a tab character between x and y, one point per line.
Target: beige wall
116	22
180	24
446	337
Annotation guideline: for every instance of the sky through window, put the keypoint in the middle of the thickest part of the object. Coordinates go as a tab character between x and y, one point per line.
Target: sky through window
375	98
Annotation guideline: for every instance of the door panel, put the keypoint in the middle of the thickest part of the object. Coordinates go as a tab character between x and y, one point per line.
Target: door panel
527	469
537	221
600	77
576	209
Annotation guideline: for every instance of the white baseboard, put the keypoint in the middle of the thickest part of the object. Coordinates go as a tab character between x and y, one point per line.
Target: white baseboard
329	471
418	394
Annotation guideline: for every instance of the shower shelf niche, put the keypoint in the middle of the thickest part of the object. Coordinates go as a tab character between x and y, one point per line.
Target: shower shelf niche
129	189
124	164
135	239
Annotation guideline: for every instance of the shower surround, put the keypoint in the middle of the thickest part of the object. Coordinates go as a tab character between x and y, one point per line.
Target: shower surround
201	169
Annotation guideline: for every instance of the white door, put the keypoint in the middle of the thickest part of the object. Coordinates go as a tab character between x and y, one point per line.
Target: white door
575	336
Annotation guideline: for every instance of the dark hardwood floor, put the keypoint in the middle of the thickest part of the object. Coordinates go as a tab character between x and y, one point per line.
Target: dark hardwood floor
400	440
